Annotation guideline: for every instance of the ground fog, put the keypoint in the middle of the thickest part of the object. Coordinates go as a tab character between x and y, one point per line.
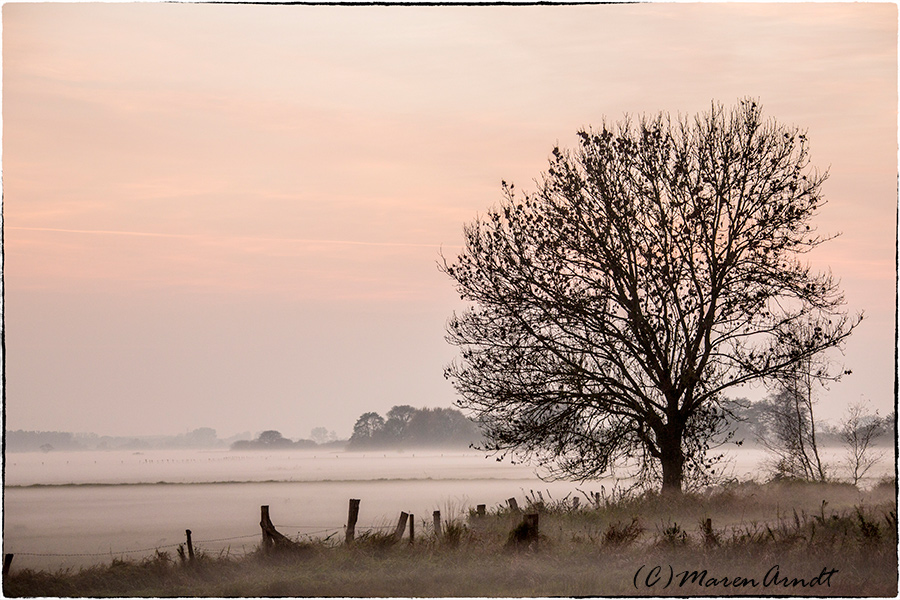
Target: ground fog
72	509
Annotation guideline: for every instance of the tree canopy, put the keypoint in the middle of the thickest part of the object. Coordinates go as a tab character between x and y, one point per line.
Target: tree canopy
656	266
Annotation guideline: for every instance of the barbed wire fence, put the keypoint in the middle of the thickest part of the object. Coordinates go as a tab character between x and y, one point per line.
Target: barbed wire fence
135	551
299	530
330	530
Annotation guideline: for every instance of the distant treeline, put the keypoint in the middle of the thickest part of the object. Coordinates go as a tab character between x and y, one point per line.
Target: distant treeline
748	419
48	441
406	426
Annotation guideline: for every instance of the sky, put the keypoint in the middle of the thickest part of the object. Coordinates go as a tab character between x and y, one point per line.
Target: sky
231	216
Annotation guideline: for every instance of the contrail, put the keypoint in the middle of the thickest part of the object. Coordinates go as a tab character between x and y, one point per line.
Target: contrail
244	238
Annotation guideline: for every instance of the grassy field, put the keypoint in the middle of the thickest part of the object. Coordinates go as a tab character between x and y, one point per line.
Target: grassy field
773	539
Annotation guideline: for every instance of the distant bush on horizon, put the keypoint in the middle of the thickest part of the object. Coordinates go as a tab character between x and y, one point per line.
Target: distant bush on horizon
273	440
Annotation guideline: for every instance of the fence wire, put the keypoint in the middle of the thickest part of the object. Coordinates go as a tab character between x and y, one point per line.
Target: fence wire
118	552
107	553
198	542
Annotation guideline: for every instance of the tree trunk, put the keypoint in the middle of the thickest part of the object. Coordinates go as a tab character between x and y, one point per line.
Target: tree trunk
673	474
672	462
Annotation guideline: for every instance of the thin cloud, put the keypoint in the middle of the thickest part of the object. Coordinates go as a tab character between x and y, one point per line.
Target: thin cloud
236	238
103	232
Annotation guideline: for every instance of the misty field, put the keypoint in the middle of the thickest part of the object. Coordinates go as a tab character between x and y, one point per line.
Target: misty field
78	509
746	538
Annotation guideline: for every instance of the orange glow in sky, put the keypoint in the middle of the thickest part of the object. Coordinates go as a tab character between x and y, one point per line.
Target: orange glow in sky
230	215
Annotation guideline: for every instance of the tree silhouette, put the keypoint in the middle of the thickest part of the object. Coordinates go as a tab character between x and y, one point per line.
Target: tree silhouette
655	267
413	427
787	420
367	430
787	426
396	428
321	435
859	430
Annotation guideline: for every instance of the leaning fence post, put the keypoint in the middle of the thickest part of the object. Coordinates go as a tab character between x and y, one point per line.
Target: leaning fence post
271	538
513	505
401	526
190	545
352	516
7	563
438	533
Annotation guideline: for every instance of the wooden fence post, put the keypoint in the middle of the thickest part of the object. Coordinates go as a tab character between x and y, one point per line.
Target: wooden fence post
480	509
412	528
438	532
513	505
263	520
270	536
352	516
7	563
526	534
576	501
709	536
190	545
401	526
531	522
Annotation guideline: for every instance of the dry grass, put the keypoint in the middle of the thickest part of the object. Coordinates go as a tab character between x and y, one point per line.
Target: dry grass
747	531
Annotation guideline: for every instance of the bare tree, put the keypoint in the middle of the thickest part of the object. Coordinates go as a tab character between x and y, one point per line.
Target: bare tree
859	430
788	427
656	266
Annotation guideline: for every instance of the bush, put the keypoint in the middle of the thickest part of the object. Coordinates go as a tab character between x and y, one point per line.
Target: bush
619	534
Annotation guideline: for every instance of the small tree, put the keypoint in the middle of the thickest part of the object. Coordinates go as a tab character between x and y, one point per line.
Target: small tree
367	430
788	420
654	268
859	430
321	435
786	430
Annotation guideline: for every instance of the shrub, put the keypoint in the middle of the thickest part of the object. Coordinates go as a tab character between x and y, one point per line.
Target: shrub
672	536
619	534
454	532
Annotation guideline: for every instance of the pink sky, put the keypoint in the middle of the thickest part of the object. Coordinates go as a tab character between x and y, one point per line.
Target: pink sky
230	216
